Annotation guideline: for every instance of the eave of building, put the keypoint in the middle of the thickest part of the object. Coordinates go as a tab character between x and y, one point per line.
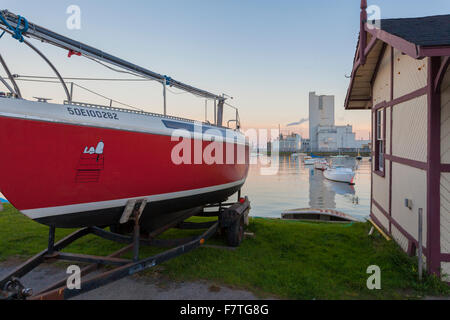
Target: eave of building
359	94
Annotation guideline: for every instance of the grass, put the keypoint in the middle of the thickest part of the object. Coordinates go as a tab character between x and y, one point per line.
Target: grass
285	259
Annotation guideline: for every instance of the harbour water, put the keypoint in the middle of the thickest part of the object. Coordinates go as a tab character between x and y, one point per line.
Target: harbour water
294	185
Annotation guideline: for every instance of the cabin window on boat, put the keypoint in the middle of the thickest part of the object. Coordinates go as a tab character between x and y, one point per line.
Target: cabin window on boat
380	140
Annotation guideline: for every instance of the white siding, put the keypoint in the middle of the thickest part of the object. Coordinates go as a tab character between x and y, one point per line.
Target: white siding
409	183
445	213
381	217
381	90
380	191
409	74
400	238
410	129
445	119
445	266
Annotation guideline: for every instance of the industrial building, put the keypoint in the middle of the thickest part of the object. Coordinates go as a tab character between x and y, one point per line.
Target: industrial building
324	135
287	143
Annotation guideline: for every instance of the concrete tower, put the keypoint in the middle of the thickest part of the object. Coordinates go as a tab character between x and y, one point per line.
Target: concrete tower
321	113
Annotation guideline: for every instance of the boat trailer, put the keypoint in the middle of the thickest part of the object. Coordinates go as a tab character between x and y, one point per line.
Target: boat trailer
231	219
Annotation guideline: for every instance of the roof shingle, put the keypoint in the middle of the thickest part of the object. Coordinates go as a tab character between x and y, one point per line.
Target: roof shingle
426	31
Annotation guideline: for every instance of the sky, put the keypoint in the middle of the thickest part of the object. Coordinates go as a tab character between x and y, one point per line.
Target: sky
267	55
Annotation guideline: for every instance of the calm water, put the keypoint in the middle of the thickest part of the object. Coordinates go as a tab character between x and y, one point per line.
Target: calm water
298	186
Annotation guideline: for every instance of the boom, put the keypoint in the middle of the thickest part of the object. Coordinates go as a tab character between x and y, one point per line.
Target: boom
53	38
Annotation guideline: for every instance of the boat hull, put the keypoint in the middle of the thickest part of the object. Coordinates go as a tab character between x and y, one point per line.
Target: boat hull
75	175
345	176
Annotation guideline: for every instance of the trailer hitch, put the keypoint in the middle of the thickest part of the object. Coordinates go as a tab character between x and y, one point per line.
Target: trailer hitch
15	290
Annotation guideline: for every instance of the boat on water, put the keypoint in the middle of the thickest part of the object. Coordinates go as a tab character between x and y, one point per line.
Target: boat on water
321	164
359	157
340	174
79	164
309	161
317	214
340	156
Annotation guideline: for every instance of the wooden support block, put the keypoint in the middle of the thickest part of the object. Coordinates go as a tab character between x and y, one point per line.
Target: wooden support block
379	230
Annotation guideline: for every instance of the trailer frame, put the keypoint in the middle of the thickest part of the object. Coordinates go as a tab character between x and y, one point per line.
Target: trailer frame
229	214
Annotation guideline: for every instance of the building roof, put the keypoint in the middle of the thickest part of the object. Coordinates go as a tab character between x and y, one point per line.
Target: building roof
416	37
424	31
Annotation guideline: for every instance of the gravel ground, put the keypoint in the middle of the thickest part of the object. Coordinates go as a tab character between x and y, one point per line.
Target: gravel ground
134	288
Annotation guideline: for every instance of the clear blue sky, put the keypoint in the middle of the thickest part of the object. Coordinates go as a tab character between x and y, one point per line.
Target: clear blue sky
267	54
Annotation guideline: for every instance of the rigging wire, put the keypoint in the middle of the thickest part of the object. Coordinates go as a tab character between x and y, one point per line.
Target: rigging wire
80	78
110	79
100	95
118	70
84	88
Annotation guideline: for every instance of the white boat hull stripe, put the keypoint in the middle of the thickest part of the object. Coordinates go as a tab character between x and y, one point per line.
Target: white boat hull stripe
83	207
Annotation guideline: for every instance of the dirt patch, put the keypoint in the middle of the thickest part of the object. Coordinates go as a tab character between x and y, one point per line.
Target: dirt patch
154	287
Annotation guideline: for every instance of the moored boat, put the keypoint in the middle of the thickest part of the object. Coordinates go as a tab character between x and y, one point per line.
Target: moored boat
321	165
340	174
317	214
308	161
359	157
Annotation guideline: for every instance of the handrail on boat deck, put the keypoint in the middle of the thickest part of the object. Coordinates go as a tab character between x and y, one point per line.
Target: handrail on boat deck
90	105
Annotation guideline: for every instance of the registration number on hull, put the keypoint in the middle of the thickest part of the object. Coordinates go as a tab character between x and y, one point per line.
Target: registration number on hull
92	113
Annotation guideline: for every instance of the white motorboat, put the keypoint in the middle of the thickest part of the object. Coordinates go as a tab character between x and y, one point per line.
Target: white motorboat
309	161
340	174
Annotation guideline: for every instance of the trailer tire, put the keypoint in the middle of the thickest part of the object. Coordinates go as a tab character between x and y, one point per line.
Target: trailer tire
235	233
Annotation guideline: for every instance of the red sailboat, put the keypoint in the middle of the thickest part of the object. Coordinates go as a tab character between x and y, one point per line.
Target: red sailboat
80	164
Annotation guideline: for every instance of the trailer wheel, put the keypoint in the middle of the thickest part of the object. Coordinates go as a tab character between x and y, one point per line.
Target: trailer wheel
235	233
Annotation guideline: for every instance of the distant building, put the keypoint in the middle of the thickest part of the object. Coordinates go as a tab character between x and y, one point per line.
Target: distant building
306	145
401	73
338	138
321	113
323	133
287	143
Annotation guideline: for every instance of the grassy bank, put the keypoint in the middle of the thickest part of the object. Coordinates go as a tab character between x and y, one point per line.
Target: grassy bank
295	260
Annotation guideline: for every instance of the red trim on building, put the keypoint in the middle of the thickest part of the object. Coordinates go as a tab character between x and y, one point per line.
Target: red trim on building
391	131
412	95
442	70
408	162
398	43
399	227
437	51
445	167
434	166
